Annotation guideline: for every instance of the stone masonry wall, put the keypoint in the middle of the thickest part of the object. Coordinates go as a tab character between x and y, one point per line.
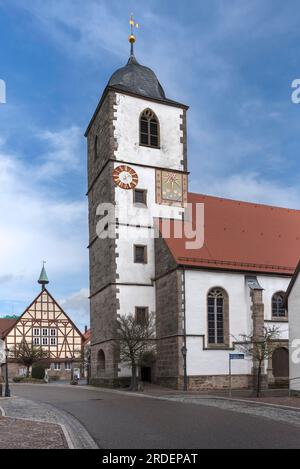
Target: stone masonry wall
103	302
169	329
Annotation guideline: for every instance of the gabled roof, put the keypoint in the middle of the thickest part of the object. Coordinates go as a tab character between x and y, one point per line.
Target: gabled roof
241	236
6	326
34	301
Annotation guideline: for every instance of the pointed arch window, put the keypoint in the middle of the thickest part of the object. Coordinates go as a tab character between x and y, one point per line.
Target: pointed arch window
278	308
149	129
218	317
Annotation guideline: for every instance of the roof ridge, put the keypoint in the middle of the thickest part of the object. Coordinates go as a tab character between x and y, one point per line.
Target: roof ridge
246	202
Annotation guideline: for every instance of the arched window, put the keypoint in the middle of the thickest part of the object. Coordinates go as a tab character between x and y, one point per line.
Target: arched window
96	154
218	317
101	362
278	309
149	129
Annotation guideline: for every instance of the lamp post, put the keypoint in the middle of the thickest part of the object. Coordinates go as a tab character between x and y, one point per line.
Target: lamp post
7	390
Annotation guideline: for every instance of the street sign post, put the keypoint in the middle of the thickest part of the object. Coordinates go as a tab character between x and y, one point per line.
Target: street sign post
233	356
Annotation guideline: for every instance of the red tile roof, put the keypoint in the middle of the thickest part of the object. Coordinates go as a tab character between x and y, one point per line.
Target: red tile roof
86	336
242	236
6	325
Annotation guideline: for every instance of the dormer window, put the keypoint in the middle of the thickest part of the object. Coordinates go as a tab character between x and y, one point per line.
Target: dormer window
149	129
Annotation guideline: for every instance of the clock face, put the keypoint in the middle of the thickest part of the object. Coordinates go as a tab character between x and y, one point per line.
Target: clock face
172	186
125	177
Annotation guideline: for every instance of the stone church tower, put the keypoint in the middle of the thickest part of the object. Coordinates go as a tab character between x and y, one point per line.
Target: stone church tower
137	161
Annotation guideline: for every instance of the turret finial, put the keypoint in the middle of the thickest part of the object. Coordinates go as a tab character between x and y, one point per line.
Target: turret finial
43	280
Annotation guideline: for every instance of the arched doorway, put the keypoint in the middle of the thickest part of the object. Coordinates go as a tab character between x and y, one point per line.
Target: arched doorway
280	364
100	362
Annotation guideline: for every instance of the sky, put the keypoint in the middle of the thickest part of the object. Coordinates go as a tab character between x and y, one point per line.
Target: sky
233	62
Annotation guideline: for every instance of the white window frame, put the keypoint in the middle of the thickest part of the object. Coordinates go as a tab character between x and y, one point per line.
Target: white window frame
36	341
36	332
45	341
53	341
43	332
57	366
68	366
53	332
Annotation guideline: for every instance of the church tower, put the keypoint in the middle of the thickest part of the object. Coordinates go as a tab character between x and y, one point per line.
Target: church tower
137	162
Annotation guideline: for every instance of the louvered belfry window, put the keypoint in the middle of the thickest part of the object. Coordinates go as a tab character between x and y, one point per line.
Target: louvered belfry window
149	129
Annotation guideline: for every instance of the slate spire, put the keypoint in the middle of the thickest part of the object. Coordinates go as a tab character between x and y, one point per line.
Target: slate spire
43	280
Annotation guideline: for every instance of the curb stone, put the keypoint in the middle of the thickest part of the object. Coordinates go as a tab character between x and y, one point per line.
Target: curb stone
24	409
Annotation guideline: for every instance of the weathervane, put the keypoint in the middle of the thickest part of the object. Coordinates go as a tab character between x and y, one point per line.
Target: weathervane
132	37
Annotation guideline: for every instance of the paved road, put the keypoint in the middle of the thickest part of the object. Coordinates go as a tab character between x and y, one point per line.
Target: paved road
118	421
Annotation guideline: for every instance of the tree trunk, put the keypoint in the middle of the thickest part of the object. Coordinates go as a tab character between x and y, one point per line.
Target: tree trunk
133	378
28	372
258	380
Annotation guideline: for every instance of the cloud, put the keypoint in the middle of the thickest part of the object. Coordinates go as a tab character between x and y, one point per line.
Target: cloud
250	187
63	152
37	221
84	26
76	306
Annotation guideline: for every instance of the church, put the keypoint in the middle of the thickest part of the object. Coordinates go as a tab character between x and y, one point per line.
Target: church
204	295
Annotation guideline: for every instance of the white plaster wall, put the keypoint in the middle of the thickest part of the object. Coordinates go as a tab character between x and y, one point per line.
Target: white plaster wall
128	213
132	296
128	113
170	156
198	283
200	362
128	271
294	331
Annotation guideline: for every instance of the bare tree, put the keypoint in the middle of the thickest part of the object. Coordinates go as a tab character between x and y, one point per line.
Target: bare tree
259	349
28	354
136	339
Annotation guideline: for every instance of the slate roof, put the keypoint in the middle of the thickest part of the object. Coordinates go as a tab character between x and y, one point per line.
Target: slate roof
137	79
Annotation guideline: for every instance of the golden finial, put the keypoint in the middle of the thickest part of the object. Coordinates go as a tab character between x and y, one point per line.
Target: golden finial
132	37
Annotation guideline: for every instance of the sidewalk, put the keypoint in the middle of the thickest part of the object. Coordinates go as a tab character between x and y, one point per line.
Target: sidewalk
25	424
25	434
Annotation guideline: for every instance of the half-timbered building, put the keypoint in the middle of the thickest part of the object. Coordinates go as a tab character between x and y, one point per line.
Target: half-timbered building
45	324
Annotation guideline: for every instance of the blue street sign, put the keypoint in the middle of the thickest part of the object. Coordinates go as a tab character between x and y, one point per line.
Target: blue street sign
237	356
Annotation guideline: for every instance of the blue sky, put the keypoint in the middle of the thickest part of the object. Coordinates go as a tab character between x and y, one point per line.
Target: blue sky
232	61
